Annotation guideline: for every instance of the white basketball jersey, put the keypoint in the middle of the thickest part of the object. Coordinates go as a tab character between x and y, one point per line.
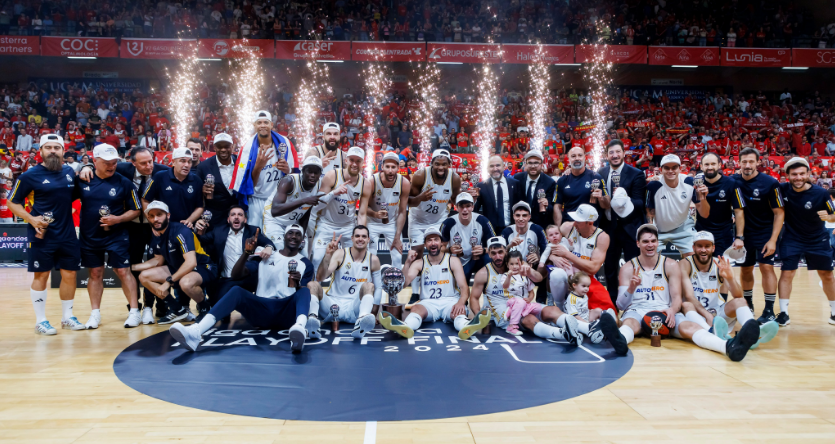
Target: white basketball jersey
583	247
654	291
434	210
495	293
341	211
706	285
296	193
576	305
272	275
337	162
529	241
269	178
347	279
464	235
385	198
437	281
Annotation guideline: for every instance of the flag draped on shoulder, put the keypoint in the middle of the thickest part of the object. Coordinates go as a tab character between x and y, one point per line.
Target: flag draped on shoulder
242	174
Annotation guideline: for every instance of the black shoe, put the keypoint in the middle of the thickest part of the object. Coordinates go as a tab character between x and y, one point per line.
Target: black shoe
768	315
832	319
610	330
173	316
784	321
161	310
738	347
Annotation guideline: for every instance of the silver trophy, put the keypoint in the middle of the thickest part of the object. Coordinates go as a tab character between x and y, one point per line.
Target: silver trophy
655	324
282	149
533	249
615	180
457	240
465	187
393	282
335	316
540	194
595	185
473	243
207	216
292	266
104	211
210	180
49	218
699	180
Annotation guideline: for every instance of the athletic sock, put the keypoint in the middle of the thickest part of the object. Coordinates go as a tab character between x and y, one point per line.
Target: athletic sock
134	310
413	321
545	331
769	301
743	315
206	323
172	303
95	311
561	320
39	304
583	327
627	333
301	320
66	308
749	297
694	316
314	305
460	322
366	304
832	308
709	341
784	306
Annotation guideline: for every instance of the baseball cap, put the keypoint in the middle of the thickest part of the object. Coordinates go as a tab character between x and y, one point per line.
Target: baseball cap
51	138
180	153
521	204
644	227
621	203
441	153
795	161
157	205
392	156
356	151
735	254
296	227
534	153
312	160
432	232
703	236
522	128
496	240
262	115
105	151
222	137
584	213
463	197
670	158
330	125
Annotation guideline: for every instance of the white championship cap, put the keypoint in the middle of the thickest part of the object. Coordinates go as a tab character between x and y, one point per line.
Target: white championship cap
650	227
791	162
520	204
157	205
312	160
262	115
180	153
442	153
522	128
391	155
735	255
670	158
584	213
222	137
534	153
621	203
296	227
105	151
703	236
496	240
434	231
356	151
54	138
463	197
330	125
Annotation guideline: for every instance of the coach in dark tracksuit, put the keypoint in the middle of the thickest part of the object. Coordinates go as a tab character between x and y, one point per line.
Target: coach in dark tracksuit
621	230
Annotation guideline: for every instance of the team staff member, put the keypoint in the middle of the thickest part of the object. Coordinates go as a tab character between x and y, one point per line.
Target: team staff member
51	190
218	197
807	207
575	189
108	202
387	196
726	206
179	261
764	216
275	304
626	214
178	188
534	184
465	235
497	195
296	194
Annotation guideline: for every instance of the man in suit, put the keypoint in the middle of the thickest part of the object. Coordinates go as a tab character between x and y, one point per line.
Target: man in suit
533	181
217	196
225	243
497	195
627	185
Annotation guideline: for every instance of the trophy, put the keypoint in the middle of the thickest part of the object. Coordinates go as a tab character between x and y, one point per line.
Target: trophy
655	324
465	187
540	194
291	267
282	149
534	250
48	218
104	211
615	180
385	219
457	241
473	243
595	185
335	320
698	181
393	282
210	180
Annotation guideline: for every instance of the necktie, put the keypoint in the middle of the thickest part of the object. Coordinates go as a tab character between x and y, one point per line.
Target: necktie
531	185
141	190
500	201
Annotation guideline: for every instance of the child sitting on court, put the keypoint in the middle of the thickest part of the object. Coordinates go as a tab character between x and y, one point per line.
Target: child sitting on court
577	305
519	287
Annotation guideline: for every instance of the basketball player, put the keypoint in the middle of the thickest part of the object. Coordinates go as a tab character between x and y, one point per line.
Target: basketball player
355	287
275	305
443	293
434	188
295	196
386	197
332	157
652	283
703	279
49	187
266	173
465	235
337	207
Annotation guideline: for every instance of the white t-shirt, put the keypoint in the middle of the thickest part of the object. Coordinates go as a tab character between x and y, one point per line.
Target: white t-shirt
671	205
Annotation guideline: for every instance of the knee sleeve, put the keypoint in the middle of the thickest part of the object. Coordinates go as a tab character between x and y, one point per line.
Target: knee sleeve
558	284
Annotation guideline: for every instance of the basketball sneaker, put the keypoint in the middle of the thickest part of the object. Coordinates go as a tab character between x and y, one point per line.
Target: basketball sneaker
767	332
720	328
609	327
832	319
313	326
783	319
768	315
188	337
391	323
297	335
134	319
570	332
738	347
44	328
364	324
72	324
476	324
148	316
174	316
94	321
596	335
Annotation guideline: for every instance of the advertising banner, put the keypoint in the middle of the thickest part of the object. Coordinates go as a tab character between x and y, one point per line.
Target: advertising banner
312	50
813	58
756	57
464	52
388	51
527	54
614	54
681	55
228	48
79	47
156	48
19	45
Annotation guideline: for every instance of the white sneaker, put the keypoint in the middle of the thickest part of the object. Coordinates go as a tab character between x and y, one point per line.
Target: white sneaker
94	321
134	319
188	337
312	327
189	315
297	335
364	324
72	324
147	316
44	328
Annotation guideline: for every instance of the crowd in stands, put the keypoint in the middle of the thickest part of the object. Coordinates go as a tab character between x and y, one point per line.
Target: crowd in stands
750	23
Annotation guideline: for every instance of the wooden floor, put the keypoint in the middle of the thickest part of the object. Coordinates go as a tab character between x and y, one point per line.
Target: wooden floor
62	389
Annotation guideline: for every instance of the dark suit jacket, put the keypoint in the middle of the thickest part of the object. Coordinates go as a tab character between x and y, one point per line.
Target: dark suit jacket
214	242
222	198
634	182
486	202
545	183
128	170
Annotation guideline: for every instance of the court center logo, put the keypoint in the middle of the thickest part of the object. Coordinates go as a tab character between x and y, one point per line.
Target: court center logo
341	378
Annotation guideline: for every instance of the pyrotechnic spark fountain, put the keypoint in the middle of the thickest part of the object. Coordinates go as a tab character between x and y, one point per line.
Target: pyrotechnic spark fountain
377	84
487	101
427	90
540	79
308	98
248	92
184	94
598	75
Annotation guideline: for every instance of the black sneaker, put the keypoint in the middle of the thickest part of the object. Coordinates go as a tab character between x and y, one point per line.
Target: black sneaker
609	327
161	310
412	301
783	319
832	319
768	315
738	347
596	335
174	316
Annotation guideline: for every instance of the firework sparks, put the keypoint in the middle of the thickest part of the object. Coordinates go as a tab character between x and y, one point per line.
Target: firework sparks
183	95
540	79
248	91
598	75
487	99
427	90
307	98
377	83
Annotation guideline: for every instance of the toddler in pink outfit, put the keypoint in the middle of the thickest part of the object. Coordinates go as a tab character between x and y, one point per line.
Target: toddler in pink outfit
519	287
